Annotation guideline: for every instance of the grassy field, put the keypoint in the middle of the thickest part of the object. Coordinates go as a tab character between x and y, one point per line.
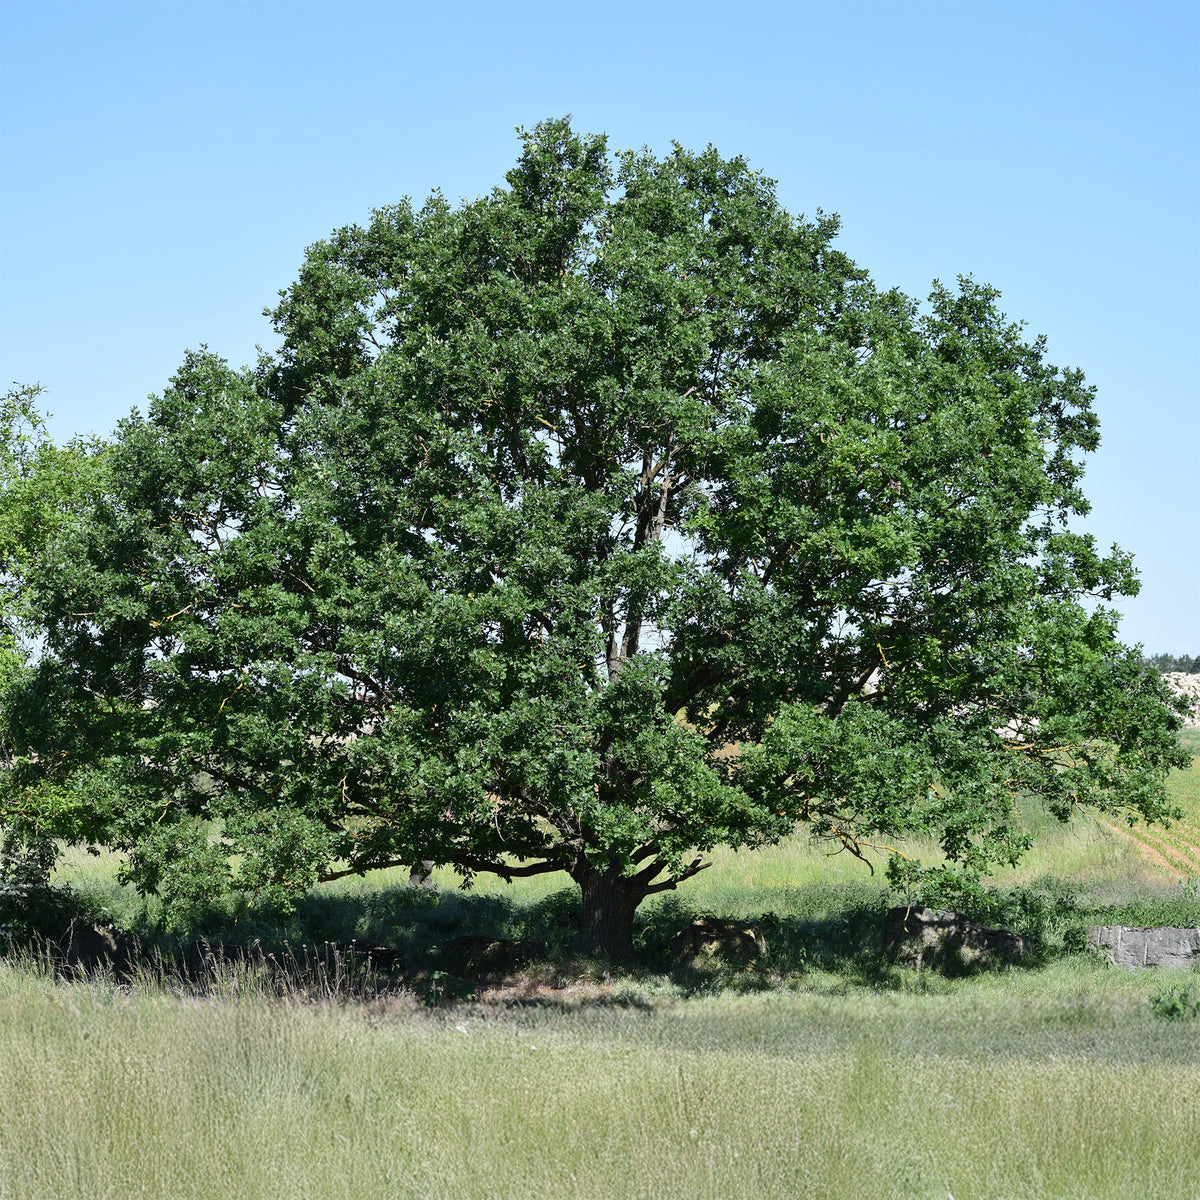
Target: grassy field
818	1072
1000	1087
1176	850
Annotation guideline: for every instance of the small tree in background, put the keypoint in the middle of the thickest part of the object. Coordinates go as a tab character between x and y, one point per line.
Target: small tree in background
584	527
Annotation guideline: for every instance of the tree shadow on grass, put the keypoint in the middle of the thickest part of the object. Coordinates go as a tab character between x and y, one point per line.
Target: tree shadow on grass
837	930
418	928
452	943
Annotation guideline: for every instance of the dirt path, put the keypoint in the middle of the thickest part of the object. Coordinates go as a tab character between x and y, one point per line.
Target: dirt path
1184	855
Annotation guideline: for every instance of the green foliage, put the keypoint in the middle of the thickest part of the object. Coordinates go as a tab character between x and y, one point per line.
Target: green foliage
1174	909
1048	911
25	892
590	525
1177	1002
43	489
33	909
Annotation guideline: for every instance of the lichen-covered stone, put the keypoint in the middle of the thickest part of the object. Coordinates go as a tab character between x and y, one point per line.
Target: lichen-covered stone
478	954
718	938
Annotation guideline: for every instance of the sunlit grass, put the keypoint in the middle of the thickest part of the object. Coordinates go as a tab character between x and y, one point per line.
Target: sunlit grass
1190	737
987	1089
824	1079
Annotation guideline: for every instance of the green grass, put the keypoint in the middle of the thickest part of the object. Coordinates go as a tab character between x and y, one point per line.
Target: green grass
821	1072
992	1087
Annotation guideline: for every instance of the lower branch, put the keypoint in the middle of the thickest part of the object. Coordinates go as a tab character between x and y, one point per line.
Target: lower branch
668	885
507	871
346	872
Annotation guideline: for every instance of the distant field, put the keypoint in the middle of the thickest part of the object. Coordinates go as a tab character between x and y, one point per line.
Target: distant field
1190	737
1175	849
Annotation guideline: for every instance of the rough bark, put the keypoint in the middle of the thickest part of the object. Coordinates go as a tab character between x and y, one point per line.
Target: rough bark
609	901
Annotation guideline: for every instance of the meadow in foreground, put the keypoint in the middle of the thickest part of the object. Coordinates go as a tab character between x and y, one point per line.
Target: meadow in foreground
820	1072
1006	1086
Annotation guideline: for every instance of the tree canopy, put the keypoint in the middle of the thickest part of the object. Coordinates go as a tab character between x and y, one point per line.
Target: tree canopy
44	488
583	527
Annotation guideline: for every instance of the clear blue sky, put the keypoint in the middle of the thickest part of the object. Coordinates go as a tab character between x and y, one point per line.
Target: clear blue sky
164	166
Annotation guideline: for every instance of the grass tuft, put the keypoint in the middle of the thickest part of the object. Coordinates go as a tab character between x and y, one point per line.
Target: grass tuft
1177	1002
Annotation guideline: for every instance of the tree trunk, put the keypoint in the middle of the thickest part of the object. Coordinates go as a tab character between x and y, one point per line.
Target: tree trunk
609	901
421	874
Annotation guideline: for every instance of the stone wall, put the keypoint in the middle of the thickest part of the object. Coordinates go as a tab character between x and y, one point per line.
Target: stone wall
1147	946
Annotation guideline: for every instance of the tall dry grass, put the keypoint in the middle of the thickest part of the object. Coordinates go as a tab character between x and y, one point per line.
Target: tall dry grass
825	1082
968	1094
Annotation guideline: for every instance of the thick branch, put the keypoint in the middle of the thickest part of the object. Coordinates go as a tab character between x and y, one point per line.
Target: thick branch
372	685
506	871
649	529
669	885
330	876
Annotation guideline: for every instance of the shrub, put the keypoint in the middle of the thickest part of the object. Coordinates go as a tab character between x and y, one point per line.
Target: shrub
1176	1002
30	905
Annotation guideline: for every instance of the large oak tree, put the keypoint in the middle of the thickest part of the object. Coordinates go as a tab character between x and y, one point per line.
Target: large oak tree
584	527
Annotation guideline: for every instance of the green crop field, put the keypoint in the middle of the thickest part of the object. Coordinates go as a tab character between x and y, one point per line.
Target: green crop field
1176	849
819	1072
